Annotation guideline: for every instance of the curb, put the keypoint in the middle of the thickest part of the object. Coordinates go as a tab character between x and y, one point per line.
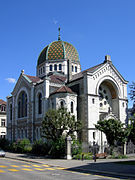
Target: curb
79	169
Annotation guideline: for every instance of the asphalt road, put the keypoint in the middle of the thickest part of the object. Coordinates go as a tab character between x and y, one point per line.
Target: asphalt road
14	170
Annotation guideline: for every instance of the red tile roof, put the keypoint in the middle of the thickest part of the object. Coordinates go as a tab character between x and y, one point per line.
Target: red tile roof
34	79
63	89
57	79
2	102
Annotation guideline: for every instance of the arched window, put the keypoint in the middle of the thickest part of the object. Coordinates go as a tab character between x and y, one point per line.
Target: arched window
62	104
25	133
72	68
37	133
75	68
40	103
22	105
43	69
55	67
50	67
60	67
10	112
72	107
22	134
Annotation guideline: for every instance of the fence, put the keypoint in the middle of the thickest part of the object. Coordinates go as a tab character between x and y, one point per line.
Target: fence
95	148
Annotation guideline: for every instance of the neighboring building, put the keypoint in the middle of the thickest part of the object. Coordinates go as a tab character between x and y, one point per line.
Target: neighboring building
99	92
3	118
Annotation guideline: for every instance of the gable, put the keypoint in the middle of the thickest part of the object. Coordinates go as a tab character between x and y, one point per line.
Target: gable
21	82
108	69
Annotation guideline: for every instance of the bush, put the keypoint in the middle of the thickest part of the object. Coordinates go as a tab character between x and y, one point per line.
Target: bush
119	156
40	148
86	156
58	148
21	146
4	144
76	147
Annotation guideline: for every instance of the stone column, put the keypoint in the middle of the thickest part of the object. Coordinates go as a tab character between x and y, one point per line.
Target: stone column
124	150
69	154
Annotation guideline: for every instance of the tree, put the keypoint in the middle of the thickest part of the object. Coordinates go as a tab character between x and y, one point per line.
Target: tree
131	127
114	131
58	122
132	91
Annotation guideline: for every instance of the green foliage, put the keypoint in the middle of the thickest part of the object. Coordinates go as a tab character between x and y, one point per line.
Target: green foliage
57	122
21	146
40	147
76	147
58	148
86	156
131	128
119	156
4	144
114	131
132	91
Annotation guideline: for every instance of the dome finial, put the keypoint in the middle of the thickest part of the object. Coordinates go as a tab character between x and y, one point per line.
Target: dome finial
59	34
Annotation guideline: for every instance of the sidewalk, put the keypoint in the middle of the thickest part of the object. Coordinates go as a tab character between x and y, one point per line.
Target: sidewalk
102	166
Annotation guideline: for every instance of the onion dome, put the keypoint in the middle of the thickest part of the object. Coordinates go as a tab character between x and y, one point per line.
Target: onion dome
59	50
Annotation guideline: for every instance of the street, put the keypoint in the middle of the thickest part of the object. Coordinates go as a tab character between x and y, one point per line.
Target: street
15	169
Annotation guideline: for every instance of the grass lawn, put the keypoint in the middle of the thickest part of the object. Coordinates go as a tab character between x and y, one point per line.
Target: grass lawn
126	162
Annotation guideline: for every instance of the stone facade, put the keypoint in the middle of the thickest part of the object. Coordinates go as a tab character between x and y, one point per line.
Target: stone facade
99	92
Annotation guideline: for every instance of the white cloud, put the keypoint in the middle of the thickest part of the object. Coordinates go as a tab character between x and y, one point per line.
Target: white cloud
55	21
11	80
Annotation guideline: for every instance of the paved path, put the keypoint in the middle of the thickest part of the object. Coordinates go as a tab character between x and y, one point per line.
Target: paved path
102	166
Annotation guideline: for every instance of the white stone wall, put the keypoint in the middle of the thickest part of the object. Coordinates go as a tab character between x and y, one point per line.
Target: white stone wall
67	99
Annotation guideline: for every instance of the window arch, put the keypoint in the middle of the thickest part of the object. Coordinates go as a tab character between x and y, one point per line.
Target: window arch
60	67
61	104
72	107
40	103
72	68
22	105
50	67
75	68
55	67
43	69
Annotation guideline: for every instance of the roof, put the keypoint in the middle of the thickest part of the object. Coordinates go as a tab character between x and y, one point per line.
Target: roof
33	79
91	70
63	89
57	79
58	50
2	102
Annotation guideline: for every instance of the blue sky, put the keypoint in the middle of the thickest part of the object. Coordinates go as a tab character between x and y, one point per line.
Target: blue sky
94	27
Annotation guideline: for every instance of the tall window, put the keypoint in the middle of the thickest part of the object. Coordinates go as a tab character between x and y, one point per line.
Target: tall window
72	68
43	69
22	105
3	122
3	108
11	112
60	67
55	67
62	104
75	68
40	103
72	107
50	67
